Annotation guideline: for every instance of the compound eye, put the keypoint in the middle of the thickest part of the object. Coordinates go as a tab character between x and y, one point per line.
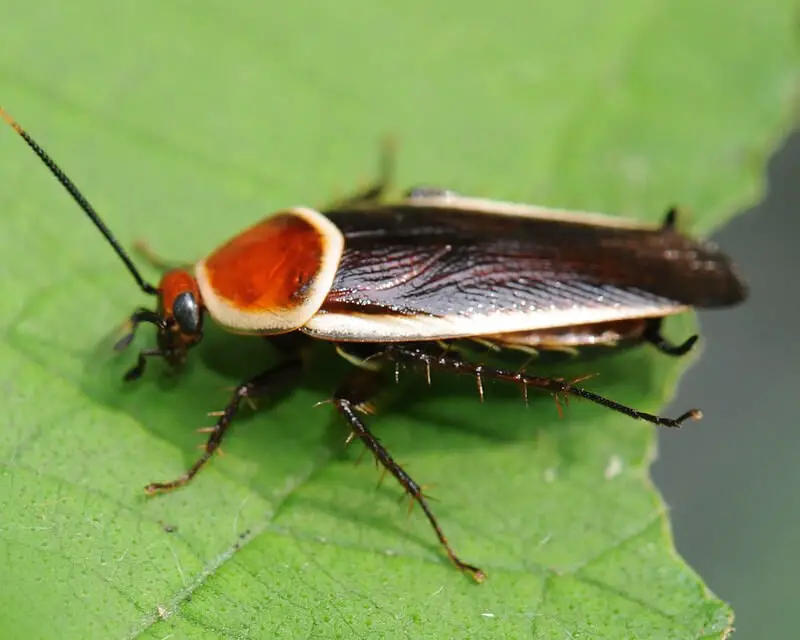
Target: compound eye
186	312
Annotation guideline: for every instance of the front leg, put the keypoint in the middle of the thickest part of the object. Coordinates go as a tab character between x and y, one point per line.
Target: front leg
265	383
356	392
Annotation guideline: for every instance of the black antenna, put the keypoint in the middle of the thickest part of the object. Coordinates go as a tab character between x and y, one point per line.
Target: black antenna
82	202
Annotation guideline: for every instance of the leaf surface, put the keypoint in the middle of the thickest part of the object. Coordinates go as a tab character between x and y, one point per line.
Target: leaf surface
185	122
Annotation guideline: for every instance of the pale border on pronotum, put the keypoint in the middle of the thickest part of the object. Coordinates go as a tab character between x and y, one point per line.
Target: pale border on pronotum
279	320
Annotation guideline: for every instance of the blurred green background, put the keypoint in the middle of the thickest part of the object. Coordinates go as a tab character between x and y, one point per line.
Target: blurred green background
172	110
732	482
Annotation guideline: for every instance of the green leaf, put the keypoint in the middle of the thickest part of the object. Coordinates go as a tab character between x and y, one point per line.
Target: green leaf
184	122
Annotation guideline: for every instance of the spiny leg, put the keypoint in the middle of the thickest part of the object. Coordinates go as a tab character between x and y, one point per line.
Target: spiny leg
138	317
670	219
263	384
652	334
137	370
356	391
375	192
430	357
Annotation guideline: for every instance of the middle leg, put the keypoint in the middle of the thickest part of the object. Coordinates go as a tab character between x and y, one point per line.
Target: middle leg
376	192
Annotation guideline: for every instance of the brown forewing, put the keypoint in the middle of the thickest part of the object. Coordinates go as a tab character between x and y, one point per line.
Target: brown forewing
404	259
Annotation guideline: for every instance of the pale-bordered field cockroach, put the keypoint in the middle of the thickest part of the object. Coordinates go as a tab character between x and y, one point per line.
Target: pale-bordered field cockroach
395	283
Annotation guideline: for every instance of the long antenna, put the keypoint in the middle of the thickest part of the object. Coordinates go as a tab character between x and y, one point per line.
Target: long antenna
81	200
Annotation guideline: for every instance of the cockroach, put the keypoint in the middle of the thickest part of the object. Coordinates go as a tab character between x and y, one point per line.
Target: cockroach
398	283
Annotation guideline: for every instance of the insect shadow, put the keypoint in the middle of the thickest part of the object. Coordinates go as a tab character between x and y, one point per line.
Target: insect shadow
412	416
